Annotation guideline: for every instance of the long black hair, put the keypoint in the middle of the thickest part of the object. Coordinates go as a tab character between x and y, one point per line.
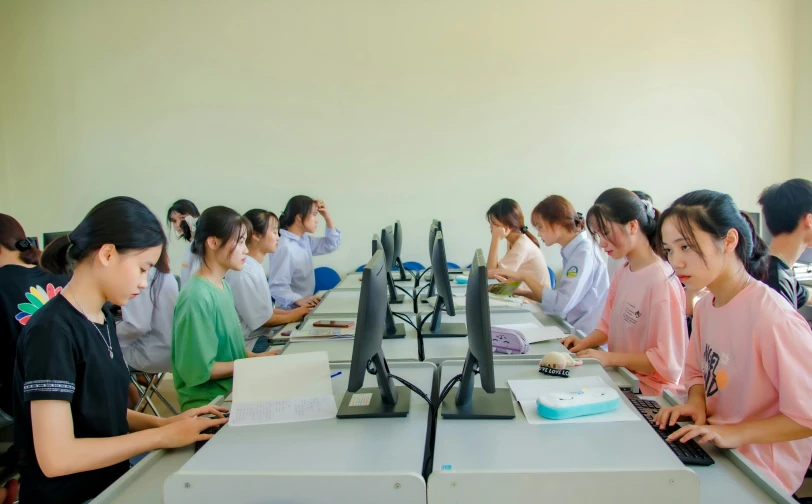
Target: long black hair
297	206
122	221
183	207
222	223
716	213
622	206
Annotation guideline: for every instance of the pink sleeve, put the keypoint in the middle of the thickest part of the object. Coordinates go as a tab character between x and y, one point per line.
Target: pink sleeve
786	353
669	344
693	360
603	323
513	259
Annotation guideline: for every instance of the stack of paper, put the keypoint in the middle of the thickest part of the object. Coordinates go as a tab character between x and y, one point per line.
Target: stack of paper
527	391
282	389
534	333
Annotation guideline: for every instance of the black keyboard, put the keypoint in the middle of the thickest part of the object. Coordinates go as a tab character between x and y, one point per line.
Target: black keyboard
689	453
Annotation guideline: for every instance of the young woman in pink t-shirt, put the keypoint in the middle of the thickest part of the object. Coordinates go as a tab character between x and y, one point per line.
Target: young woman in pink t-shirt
747	368
644	317
523	255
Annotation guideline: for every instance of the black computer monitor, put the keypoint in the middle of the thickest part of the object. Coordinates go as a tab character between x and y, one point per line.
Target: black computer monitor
436	226
388	241
487	402
47	238
761	230
386	400
393	330
398	246
444	299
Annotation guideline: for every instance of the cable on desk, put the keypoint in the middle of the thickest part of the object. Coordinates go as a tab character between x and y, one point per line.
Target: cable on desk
373	371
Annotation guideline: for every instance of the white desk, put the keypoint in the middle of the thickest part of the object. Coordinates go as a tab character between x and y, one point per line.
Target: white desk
358	461
395	349
345	302
481	461
353	281
443	348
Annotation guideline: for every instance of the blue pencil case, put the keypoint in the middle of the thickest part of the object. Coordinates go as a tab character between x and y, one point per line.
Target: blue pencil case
584	402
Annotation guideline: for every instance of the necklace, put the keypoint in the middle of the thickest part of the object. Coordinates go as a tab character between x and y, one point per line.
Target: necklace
107	342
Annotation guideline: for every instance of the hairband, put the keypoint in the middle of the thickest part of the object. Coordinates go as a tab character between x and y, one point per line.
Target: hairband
23	245
523	229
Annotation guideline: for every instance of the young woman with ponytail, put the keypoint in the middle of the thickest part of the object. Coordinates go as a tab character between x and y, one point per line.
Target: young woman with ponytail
580	294
72	427
643	321
24	288
506	222
747	370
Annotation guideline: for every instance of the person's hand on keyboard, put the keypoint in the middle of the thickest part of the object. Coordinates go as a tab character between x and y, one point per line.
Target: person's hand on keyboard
723	436
670	416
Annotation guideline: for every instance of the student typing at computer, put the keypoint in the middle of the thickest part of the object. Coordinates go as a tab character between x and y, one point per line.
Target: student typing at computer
643	321
291	278
747	368
207	337
787	211
72	426
523	254
580	294
252	296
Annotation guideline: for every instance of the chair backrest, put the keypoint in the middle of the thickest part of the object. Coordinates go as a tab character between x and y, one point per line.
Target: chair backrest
552	277
452	265
360	268
326	278
413	266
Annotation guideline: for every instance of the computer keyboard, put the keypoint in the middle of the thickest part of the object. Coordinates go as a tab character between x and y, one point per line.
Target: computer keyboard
689	453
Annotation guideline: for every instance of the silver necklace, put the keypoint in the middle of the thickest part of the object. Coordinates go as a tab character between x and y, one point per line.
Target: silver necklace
108	342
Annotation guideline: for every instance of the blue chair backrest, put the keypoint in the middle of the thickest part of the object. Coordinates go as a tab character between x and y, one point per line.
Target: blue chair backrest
452	265
552	277
360	268
326	278
411	265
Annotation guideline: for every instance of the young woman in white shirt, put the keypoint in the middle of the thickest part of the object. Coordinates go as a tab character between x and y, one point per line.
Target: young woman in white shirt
252	295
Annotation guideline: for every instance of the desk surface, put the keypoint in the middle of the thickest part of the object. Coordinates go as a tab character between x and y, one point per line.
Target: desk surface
332	448
346	302
515	446
399	349
440	349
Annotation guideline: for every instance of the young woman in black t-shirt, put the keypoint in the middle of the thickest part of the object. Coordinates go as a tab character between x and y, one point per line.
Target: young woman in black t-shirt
72	425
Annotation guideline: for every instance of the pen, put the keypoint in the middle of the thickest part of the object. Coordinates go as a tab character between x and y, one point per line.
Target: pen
334	375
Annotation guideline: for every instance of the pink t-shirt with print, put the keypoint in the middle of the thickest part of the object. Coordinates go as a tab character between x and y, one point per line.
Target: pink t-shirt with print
645	313
752	357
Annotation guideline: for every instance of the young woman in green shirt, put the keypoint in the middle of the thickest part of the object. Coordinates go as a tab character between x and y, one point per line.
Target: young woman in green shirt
206	336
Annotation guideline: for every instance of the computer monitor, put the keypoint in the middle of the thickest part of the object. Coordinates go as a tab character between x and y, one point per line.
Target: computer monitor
761	230
386	400
388	241
398	246
393	330
47	238
487	402
444	297
436	226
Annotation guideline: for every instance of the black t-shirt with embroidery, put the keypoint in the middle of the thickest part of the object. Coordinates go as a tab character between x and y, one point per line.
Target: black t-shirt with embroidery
782	279
23	291
61	356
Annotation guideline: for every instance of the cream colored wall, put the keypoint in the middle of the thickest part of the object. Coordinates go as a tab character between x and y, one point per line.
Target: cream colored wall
246	104
802	130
